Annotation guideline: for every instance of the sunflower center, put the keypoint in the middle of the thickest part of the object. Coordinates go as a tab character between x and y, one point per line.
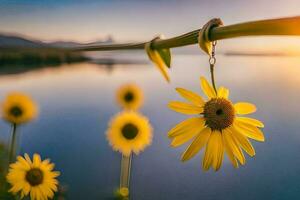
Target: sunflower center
34	176
218	113
16	111
128	96
130	131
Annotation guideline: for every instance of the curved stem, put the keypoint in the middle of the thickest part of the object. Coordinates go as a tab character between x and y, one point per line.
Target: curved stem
212	75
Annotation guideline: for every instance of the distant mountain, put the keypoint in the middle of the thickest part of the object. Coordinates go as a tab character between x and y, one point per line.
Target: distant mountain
63	44
9	41
15	41
70	44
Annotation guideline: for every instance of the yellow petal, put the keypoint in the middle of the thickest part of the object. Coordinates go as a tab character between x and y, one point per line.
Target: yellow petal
191	96
181	139
207	88
25	164
243	142
229	153
160	65
186	125
218	150
196	145
233	146
223	92
157	60
185	108
250	121
209	152
244	108
27	158
186	136
249	131
36	160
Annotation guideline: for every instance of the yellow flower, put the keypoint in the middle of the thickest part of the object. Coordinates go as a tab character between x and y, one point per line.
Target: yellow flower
130	97
18	108
35	177
124	192
219	125
129	132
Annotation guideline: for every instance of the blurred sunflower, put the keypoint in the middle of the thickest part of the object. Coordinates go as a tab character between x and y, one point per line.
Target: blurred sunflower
217	127
18	108
122	193
130	96
129	132
35	177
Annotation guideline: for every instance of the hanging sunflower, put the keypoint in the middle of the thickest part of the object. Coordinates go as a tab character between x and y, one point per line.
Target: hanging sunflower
130	96
217	125
34	178
129	132
18	108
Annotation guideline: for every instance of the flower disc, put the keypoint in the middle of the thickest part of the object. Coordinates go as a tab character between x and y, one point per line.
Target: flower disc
218	113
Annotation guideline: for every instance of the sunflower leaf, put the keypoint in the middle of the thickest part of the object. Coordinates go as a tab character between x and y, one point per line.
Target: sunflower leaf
159	60
165	54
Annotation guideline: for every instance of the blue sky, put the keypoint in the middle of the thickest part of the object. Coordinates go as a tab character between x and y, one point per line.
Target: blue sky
134	20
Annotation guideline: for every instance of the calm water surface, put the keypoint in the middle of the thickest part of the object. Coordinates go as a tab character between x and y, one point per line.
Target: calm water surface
77	101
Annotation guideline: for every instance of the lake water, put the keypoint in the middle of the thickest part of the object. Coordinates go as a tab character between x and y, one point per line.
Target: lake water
77	101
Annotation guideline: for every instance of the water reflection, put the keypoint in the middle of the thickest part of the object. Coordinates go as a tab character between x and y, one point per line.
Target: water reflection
76	102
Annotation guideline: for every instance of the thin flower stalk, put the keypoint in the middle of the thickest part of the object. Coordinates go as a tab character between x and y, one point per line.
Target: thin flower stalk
125	171
13	149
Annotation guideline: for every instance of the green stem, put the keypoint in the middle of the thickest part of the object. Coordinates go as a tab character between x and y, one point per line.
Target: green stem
282	26
12	155
13	144
212	75
125	171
